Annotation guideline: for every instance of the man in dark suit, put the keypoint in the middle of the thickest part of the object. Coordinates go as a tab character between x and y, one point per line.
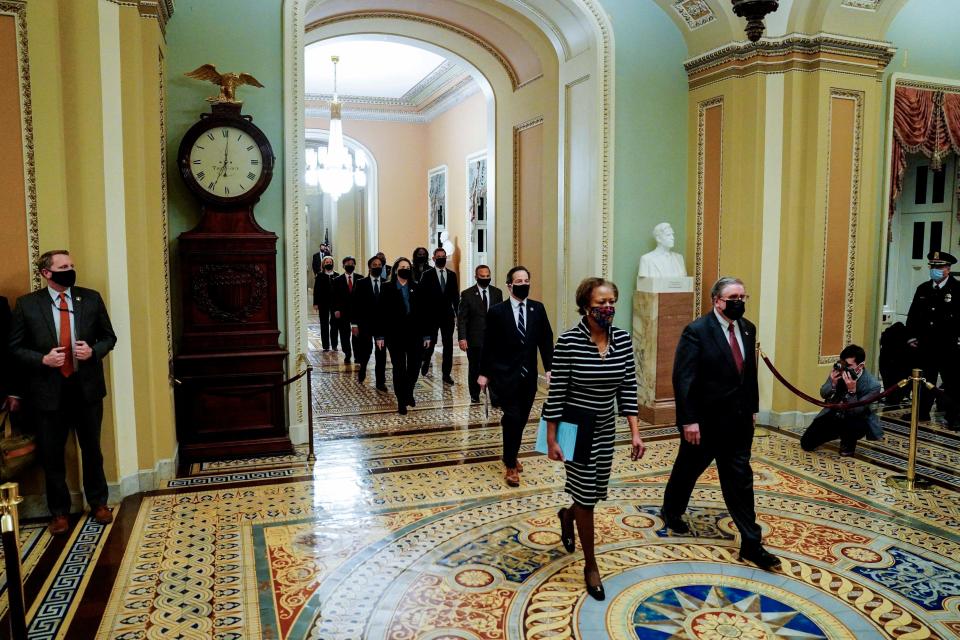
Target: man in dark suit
472	323
442	291
363	318
933	327
516	330
715	385
343	288
323	304
59	337
9	399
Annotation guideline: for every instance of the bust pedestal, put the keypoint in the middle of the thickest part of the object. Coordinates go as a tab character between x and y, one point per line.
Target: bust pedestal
662	307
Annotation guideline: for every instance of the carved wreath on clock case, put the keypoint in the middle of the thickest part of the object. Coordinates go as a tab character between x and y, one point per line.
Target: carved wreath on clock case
230	292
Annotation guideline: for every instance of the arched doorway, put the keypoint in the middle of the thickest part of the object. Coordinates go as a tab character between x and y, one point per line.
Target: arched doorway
550	69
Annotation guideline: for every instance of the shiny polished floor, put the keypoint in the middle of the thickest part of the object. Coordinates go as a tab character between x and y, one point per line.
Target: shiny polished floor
404	529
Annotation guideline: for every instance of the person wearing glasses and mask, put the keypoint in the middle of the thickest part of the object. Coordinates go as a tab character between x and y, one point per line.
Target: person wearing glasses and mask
516	329
323	304
59	336
715	386
933	326
593	374
849	381
403	327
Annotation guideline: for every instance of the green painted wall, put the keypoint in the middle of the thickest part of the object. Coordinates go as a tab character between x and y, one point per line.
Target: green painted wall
925	33
234	35
650	138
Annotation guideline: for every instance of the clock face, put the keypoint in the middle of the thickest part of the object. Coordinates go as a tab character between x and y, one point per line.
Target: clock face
226	161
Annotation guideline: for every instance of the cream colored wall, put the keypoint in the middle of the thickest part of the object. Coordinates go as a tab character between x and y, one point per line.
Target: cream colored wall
451	137
98	67
404	152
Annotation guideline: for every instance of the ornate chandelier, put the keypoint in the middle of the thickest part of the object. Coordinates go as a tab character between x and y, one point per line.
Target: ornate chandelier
754	11
335	171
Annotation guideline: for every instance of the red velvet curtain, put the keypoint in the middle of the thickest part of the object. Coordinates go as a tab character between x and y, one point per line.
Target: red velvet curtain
926	122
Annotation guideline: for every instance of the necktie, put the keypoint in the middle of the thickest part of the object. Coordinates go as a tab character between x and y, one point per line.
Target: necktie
376	288
735	348
483	295
443	280
66	340
350	284
522	328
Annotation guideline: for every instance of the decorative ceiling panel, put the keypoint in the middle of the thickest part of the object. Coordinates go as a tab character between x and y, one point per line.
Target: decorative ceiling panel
696	13
869	5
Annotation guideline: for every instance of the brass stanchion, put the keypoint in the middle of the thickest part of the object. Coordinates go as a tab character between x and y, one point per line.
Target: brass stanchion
911	482
10	528
759	433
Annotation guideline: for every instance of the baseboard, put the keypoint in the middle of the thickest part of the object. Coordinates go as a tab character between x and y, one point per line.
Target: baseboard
298	433
35	505
786	418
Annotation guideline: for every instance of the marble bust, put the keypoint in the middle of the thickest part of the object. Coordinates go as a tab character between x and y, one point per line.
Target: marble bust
662	262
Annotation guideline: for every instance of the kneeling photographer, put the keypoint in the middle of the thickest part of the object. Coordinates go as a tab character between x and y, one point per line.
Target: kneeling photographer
849	381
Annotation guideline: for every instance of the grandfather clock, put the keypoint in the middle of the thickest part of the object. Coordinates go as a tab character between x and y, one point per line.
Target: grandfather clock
230	362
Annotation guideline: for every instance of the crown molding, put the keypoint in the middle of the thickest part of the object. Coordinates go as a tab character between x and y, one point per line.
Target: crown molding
421	115
793	52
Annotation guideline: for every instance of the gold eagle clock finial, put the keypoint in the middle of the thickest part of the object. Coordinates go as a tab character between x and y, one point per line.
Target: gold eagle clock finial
228	83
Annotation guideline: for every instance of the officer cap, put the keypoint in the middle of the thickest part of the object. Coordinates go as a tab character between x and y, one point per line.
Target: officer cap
940	258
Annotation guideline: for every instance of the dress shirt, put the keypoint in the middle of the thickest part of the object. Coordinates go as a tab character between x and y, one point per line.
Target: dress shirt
515	305
725	325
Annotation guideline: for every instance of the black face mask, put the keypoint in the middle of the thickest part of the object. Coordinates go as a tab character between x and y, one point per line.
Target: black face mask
64	278
734	309
483	282
403	273
376	271
440	262
349	268
420	259
521	291
328	268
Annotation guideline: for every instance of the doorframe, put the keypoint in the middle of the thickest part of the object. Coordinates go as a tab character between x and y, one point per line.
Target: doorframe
895	78
467	275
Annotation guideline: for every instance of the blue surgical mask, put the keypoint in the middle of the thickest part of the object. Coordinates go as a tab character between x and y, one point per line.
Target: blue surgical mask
936	275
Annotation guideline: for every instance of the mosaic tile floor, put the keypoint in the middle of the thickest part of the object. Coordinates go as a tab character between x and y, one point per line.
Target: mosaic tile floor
404	529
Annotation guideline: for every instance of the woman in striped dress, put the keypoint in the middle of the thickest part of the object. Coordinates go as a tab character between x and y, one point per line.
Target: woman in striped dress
593	369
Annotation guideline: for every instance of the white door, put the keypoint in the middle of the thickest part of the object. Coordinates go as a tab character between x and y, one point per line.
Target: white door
478	219
926	222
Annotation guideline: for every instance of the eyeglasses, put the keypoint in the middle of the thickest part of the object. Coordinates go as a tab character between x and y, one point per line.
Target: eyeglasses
743	297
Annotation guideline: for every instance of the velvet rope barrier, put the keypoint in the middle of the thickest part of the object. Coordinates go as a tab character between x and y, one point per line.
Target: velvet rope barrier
843	406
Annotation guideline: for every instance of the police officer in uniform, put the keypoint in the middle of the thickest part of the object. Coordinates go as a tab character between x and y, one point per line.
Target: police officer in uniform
933	325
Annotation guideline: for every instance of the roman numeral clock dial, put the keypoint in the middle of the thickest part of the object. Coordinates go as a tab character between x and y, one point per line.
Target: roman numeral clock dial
225	159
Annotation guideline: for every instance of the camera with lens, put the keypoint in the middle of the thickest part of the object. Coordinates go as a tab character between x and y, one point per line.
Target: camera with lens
842	367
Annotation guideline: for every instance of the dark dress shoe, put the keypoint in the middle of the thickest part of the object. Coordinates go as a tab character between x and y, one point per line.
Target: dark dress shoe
760	557
848	452
412	401
102	514
448	380
381	387
677	525
425	369
474	400
362	375
402	409
596	591
346	360
566	532
58	526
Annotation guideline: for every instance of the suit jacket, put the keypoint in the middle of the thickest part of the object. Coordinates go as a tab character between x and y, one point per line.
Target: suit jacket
866	385
441	302
472	315
706	384
395	324
323	290
317	263
366	306
342	296
33	334
8	378
504	354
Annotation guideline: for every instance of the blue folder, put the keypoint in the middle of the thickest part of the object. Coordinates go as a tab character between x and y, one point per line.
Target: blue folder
566	438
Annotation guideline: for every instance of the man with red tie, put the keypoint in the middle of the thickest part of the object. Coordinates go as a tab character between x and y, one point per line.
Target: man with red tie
59	336
715	385
343	288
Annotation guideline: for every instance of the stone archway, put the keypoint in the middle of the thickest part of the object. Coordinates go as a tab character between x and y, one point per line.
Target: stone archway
578	140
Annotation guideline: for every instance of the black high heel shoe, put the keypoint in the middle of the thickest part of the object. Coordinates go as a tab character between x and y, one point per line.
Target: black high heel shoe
566	532
596	591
